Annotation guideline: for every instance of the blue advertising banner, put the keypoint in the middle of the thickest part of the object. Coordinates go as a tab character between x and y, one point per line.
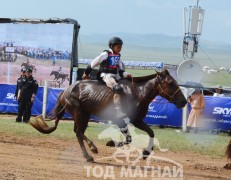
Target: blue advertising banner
52	98
8	102
217	113
161	112
38	102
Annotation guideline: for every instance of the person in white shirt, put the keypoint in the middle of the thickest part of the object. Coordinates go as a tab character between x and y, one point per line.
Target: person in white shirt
110	70
219	91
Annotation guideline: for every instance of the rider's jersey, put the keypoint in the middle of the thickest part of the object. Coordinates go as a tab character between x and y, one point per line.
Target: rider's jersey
111	64
108	61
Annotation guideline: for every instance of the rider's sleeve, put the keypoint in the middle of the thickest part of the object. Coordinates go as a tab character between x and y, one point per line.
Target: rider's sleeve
122	73
95	62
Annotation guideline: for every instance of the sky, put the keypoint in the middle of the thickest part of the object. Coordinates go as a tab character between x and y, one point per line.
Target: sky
131	16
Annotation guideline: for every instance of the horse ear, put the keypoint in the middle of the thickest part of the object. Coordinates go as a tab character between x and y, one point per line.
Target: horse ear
158	73
166	72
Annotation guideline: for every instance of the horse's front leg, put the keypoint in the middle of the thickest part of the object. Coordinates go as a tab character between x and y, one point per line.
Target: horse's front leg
144	127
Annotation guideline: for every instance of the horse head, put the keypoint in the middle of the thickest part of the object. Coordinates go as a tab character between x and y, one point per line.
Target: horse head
169	89
52	72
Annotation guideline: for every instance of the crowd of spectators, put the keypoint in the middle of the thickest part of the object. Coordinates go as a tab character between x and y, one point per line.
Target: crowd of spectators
38	53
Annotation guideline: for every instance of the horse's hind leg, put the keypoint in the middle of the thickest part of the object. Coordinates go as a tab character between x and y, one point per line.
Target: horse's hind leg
90	144
79	130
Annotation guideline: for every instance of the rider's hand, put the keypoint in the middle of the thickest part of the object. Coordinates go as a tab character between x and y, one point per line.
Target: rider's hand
85	77
129	76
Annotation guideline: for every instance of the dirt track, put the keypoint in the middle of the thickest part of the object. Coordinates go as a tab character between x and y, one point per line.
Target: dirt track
47	158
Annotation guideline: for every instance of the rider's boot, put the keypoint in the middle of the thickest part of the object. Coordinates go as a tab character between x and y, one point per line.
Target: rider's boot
117	104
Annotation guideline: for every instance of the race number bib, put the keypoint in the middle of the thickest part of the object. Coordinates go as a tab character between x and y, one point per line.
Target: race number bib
114	60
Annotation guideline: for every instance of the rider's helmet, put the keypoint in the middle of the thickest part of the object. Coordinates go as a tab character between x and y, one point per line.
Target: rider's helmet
115	40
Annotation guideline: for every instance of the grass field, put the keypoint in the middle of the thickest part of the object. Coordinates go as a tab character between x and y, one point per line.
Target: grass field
173	139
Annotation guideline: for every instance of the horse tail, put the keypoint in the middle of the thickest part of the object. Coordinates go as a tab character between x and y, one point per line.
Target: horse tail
228	151
40	124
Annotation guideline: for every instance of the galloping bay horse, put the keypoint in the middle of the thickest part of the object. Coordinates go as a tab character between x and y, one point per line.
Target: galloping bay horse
59	75
87	97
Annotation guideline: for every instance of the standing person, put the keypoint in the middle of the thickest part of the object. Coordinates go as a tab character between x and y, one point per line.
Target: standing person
197	102
219	91
54	60
110	66
28	92
28	62
20	81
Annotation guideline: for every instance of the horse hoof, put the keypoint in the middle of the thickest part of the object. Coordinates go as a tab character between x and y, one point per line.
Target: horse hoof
227	166
110	143
94	150
145	154
90	159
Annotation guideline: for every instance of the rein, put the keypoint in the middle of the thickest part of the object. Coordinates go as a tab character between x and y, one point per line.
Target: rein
162	91
159	86
137	92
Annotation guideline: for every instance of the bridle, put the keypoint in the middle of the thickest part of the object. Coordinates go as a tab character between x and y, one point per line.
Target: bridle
159	86
162	91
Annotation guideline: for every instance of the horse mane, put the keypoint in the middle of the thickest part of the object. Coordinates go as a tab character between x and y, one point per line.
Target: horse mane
143	78
148	77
